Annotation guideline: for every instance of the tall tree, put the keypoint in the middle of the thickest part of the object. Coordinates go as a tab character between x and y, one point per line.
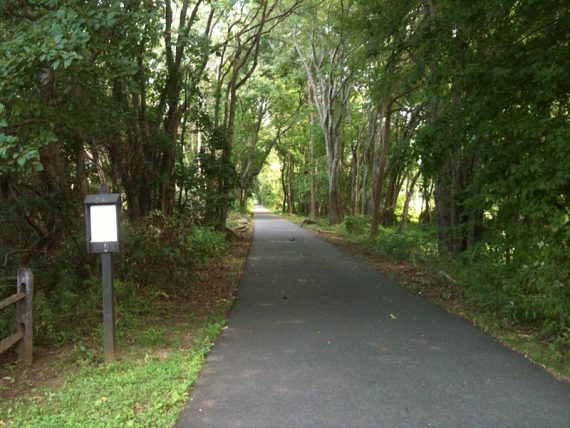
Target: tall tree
324	58
239	58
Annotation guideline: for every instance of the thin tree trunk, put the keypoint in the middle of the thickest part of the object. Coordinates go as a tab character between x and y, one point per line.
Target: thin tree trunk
409	193
381	150
81	171
391	197
334	171
371	137
290	204
312	162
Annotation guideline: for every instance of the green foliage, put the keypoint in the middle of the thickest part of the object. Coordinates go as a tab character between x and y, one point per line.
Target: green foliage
205	243
14	156
356	225
68	311
152	337
531	288
156	255
148	392
159	250
416	243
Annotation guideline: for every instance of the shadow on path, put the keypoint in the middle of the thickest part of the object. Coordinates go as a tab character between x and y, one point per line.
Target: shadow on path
316	339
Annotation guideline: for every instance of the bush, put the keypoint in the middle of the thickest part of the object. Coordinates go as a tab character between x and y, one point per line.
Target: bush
205	243
417	242
531	289
154	251
356	225
157	254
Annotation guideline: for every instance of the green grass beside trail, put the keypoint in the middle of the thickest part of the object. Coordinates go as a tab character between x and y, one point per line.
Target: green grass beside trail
167	321
149	391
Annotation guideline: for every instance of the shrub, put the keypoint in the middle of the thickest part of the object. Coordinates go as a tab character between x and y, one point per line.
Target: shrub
356	225
205	243
153	251
159	253
417	242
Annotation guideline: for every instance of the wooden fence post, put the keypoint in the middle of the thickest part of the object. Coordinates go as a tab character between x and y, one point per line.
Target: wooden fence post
24	315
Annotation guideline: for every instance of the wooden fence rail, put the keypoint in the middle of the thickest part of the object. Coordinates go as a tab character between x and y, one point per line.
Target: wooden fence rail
23	297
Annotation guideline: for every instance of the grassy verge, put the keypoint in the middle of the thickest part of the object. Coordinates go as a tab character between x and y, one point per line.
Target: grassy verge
147	391
412	262
161	348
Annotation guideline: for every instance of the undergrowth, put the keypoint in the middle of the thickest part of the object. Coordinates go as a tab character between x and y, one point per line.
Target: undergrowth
174	283
157	255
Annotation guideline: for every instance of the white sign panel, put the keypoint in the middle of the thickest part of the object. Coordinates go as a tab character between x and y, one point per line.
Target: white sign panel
104	223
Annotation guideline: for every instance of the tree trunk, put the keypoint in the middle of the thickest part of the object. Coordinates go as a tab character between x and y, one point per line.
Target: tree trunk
290	203
371	137
354	175
284	187
381	149
334	171
449	212
391	197
409	193
427	192
312	161
81	171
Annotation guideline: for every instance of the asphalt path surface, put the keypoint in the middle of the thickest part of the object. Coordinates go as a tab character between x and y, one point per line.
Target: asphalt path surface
317	339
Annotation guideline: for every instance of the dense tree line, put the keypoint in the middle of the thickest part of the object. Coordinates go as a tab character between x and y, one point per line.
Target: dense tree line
140	95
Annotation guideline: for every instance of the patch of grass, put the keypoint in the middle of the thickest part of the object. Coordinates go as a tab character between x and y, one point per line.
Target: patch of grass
163	338
153	337
540	351
149	391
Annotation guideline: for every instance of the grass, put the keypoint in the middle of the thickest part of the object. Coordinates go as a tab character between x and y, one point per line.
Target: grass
136	392
160	352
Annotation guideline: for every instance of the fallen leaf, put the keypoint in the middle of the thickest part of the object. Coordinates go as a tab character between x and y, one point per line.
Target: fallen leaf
394	317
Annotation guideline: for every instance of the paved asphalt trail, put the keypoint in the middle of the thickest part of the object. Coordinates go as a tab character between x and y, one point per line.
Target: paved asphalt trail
316	339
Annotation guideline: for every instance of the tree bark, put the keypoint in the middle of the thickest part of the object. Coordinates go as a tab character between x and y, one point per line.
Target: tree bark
381	149
367	159
330	84
312	161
